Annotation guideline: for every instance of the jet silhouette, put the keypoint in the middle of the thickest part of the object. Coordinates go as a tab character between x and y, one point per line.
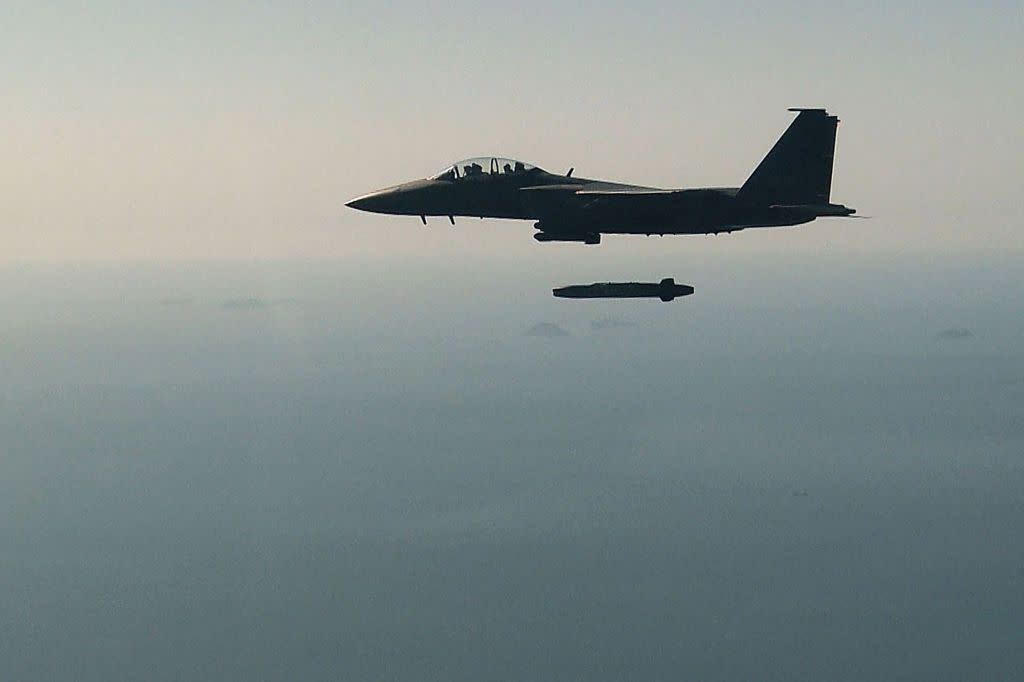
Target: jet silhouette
792	185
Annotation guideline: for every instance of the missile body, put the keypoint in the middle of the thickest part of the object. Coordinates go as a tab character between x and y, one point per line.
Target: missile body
666	290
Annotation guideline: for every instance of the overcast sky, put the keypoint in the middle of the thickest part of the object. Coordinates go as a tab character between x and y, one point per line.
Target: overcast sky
177	131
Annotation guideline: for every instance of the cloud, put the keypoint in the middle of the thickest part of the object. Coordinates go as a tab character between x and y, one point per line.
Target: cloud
244	304
955	334
252	303
610	323
548	330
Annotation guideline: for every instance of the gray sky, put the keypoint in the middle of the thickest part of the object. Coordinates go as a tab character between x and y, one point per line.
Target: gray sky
152	131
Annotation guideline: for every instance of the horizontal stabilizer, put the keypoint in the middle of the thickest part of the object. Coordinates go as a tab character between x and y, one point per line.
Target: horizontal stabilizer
818	210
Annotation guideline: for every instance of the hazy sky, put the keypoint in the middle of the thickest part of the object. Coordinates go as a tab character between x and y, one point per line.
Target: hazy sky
168	131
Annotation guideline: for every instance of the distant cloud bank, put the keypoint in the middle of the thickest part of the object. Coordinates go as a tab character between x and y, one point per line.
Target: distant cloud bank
244	303
254	303
956	334
610	323
548	330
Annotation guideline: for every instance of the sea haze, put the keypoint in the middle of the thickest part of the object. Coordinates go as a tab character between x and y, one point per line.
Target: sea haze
812	468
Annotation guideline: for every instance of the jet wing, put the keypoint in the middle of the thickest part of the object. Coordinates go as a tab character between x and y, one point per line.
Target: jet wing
591	196
589	208
586	190
637	192
594	198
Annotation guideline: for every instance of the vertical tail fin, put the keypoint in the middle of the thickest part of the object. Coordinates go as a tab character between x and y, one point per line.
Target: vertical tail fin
798	169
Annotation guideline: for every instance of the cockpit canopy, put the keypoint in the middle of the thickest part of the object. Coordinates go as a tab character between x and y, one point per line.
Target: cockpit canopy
484	165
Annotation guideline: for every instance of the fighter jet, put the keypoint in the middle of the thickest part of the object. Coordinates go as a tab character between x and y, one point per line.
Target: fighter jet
791	186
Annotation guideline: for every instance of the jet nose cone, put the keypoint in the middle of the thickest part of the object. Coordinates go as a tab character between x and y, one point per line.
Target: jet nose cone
382	201
412	198
364	203
392	200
